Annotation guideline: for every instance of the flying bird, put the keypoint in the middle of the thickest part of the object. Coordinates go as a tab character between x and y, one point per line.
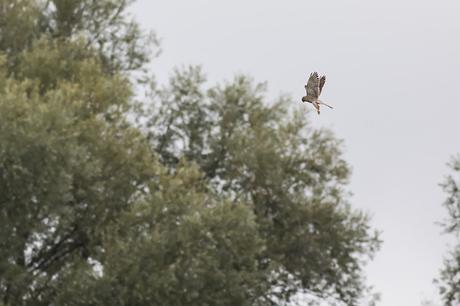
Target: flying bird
313	88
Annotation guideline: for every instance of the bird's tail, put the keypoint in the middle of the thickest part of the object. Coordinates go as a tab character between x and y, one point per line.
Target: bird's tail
321	102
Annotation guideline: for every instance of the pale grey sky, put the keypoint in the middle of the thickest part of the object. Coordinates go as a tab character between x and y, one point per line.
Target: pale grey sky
392	69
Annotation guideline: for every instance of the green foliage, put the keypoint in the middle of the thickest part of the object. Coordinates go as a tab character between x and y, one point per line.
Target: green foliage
70	164
104	28
65	173
180	246
220	199
291	176
449	282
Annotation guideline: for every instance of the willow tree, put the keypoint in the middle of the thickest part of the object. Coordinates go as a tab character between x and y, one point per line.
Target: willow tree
218	198
265	156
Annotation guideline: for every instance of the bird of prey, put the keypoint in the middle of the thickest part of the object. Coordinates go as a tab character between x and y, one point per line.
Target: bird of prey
313	88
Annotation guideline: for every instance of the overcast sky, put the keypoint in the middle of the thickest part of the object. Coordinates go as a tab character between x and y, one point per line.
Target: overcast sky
392	73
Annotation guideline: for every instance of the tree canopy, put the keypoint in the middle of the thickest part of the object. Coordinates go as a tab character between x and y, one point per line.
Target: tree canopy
449	282
216	196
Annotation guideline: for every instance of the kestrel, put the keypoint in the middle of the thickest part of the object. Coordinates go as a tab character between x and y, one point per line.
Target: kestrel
313	88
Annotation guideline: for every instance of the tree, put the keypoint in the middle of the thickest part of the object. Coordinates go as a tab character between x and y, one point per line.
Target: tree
70	162
291	176
449	282
218	198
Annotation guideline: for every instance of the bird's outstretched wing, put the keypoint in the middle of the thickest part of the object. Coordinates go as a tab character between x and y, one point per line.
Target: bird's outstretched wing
313	87
322	80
